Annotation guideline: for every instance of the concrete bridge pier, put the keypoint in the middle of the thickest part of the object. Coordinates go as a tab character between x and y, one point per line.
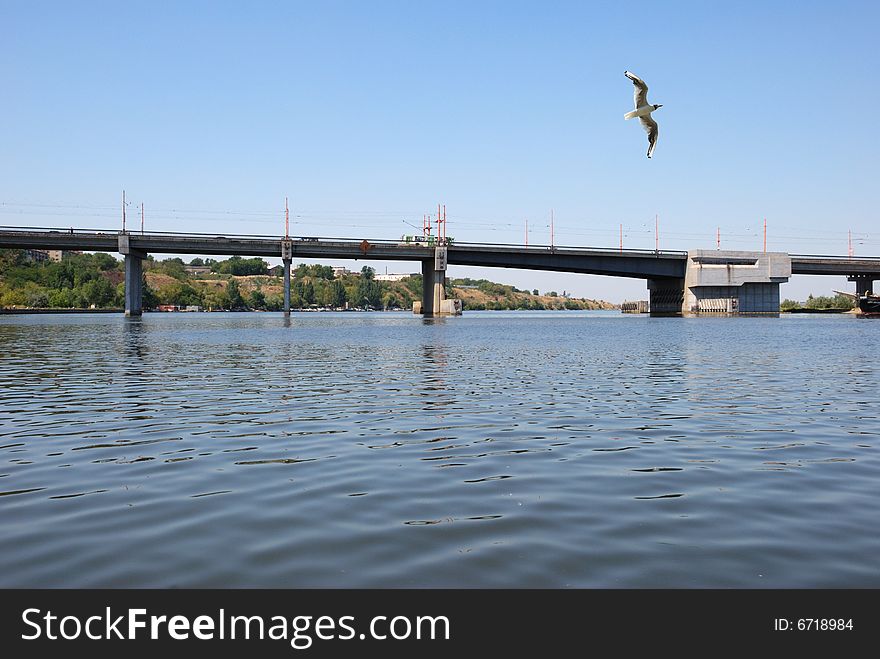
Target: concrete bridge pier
727	282
134	276
734	281
666	296
134	283
286	286
433	289
434	302
286	259
864	283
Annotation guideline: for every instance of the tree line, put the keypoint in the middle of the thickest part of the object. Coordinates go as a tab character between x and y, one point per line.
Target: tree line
78	281
839	301
97	280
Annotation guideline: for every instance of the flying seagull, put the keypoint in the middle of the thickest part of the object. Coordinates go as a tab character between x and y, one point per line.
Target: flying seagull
643	110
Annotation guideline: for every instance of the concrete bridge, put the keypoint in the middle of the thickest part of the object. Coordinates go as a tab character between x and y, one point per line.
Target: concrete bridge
698	281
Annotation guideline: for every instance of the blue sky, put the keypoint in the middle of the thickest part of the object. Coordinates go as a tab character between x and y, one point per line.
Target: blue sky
367	114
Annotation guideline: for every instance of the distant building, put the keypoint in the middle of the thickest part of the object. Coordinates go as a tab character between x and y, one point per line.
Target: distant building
391	277
58	254
339	271
36	255
197	269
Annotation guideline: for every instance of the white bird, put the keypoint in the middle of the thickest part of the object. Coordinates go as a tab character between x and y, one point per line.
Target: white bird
643	110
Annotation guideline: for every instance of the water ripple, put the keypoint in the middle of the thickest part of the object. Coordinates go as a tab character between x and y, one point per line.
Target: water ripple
494	450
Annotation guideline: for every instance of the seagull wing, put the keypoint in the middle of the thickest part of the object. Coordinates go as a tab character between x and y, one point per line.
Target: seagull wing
650	127
640	93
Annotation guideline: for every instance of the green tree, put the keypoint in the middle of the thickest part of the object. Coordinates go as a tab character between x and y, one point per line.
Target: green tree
105	262
367	272
338	293
233	293
216	299
390	301
171	267
315	271
240	267
308	293
256	299
99	292
414	284
63	298
369	293
274	302
35	295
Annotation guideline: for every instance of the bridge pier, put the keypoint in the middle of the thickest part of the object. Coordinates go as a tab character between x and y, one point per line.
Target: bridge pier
864	283
134	276
434	302
734	281
134	283
723	282
666	296
433	289
286	259
286	308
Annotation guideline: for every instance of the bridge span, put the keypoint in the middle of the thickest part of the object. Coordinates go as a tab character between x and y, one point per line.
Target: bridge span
679	281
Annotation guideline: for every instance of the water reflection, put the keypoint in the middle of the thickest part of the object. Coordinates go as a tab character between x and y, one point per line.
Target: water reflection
133	331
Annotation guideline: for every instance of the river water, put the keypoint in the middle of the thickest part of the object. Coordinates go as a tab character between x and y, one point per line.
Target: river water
497	449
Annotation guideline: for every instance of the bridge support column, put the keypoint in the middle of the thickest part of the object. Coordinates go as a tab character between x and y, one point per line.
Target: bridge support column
287	286
667	296
433	283
134	283
864	283
286	259
134	276
434	302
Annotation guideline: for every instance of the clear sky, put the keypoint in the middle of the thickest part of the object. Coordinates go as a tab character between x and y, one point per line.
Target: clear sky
367	114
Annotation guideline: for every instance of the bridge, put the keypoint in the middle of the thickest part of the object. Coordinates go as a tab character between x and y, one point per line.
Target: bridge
695	281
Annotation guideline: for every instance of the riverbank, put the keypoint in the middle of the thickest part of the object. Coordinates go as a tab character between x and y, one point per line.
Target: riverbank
30	310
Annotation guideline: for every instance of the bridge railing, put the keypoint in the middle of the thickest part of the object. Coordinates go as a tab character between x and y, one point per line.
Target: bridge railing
379	242
611	251
192	235
819	257
171	235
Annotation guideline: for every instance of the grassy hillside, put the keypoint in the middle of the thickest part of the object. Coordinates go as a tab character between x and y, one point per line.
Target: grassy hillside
484	294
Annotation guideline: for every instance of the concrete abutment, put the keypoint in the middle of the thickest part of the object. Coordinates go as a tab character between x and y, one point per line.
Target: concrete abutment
727	282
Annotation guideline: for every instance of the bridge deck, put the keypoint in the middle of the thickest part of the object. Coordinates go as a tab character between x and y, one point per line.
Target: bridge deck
627	263
642	264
